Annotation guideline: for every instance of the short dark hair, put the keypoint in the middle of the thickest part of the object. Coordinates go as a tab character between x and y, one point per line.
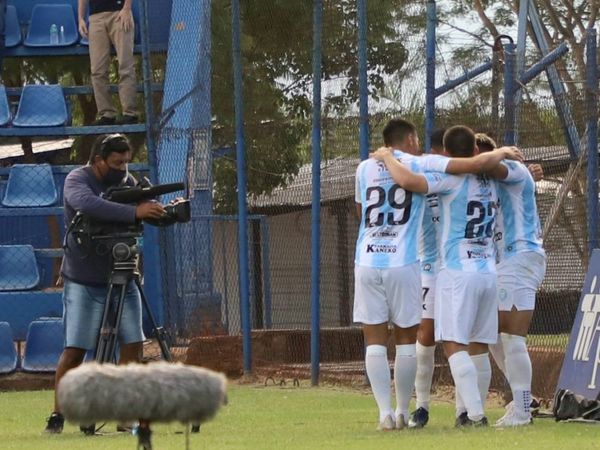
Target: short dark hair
485	143
396	131
459	141
437	138
105	144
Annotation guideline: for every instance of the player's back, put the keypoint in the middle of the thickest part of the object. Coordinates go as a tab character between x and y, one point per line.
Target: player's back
468	207
390	216
518	226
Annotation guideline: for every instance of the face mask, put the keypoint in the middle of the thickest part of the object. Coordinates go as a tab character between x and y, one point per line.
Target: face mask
114	176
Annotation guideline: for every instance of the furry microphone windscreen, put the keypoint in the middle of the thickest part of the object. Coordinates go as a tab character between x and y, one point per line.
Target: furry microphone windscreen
159	392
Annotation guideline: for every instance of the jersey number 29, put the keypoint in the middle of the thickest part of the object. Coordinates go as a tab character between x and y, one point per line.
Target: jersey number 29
390	198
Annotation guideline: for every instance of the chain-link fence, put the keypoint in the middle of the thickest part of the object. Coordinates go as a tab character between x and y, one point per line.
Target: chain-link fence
280	184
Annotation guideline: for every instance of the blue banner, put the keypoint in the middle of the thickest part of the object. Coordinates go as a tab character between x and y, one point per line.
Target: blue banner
581	366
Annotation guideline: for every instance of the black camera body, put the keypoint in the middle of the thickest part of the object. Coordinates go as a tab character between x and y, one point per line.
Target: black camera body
121	239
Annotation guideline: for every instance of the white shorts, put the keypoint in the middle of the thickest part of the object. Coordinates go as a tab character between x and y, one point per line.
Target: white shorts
428	286
519	278
466	307
381	295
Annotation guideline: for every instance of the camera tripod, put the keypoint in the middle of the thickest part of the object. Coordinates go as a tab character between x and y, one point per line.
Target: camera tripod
124	271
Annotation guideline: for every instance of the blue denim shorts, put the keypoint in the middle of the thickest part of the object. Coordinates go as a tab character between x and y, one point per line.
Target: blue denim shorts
83	309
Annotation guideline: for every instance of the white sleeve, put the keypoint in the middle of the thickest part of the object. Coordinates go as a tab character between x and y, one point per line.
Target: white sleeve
441	183
357	196
434	163
517	172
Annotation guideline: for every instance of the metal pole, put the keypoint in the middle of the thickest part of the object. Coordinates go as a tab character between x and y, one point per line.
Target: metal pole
315	301
147	83
430	74
520	61
509	93
591	102
363	87
241	188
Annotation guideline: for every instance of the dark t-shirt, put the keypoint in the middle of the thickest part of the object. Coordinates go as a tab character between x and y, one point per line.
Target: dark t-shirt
98	6
82	193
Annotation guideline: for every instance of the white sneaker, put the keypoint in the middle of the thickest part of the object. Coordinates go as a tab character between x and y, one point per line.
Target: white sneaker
514	418
400	422
387	424
508	411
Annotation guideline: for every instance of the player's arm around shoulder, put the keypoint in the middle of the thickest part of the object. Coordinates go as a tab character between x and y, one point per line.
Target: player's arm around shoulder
402	175
488	163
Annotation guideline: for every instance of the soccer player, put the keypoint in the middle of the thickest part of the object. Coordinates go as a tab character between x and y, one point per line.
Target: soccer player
428	254
387	278
465	301
521	269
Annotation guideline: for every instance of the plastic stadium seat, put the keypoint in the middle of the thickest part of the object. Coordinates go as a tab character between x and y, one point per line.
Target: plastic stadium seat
5	115
18	268
44	344
43	17
30	185
8	354
41	105
13	36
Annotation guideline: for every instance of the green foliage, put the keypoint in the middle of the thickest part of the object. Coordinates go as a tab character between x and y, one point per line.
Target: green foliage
277	81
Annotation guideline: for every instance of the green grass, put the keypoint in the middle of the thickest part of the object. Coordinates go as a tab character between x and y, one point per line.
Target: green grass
291	418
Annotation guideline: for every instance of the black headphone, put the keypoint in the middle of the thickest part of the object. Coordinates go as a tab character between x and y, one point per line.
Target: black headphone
114	142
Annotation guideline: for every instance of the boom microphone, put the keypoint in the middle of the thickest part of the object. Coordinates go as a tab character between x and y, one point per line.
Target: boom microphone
159	391
138	193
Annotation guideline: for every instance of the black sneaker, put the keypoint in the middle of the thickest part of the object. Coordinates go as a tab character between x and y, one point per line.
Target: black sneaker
56	422
104	121
127	120
483	422
419	418
144	438
89	430
461	420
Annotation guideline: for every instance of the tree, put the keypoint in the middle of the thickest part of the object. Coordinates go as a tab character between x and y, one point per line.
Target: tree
277	65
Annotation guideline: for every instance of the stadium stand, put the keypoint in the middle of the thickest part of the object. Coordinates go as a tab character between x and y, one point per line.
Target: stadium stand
21	192
13	35
46	16
53	114
19	269
5	115
8	354
45	340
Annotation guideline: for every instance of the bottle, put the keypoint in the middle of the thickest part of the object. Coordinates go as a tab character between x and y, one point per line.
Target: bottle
62	34
53	34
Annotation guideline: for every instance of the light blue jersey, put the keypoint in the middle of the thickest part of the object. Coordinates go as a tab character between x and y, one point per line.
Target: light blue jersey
390	216
518	226
468	210
429	238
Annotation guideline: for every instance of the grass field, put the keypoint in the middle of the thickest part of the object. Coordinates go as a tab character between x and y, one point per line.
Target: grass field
271	417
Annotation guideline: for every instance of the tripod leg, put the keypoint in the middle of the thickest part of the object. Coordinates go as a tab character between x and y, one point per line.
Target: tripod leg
158	331
111	320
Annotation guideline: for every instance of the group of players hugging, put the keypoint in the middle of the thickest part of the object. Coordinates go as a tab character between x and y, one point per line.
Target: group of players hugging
449	250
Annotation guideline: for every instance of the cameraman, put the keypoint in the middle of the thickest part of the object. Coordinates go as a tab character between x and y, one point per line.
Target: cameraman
86	274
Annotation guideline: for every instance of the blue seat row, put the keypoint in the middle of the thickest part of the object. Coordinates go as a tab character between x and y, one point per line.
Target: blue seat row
41	105
43	346
46	20
30	186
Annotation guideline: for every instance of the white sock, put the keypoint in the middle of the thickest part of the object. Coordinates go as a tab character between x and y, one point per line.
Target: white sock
484	374
378	371
460	405
465	379
425	366
518	367
405	369
497	351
